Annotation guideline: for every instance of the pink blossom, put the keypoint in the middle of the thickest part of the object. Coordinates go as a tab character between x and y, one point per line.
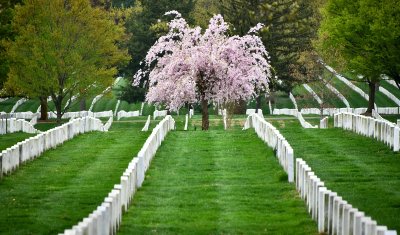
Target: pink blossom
188	66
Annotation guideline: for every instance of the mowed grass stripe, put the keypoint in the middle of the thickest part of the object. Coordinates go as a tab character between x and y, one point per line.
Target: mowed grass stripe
64	185
364	171
216	182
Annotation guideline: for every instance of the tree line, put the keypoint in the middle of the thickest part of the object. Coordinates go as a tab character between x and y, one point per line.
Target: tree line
73	48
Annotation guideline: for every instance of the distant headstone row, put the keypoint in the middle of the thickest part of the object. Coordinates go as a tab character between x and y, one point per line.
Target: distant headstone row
332	213
270	135
106	218
332	111
12	125
29	149
384	131
122	114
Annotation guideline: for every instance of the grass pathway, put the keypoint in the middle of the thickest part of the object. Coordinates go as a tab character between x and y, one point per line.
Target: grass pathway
64	185
362	170
216	182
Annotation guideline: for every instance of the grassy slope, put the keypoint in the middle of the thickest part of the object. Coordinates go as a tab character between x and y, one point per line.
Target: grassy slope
393	89
216	182
64	185
11	139
363	171
7	105
330	99
29	105
282	100
304	99
355	99
380	99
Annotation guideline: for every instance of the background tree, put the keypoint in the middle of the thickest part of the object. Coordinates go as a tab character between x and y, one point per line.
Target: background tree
188	66
144	26
6	33
290	26
63	47
353	38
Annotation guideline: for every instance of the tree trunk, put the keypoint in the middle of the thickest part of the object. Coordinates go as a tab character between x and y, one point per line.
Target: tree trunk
82	104
371	101
58	105
258	103
205	122
43	108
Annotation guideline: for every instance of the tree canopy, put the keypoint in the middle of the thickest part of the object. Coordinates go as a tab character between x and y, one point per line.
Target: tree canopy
188	66
362	37
63	47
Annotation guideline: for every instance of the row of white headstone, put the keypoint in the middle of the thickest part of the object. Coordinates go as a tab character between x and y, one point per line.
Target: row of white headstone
337	93
122	114
159	113
79	114
12	125
332	111
312	92
384	131
349	84
332	213
147	124
390	95
273	138
106	218
297	114
17	104
33	147
323	123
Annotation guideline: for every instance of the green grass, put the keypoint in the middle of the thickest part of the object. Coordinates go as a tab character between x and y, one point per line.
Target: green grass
216	182
391	117
362	170
381	100
9	140
7	105
106	103
75	105
330	99
61	187
303	98
355	99
30	105
282	100
129	107
392	89
49	124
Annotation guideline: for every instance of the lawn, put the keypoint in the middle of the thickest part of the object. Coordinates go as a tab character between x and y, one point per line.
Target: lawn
282	100
216	182
363	171
303	98
380	99
392	89
355	99
9	140
330	99
31	105
64	185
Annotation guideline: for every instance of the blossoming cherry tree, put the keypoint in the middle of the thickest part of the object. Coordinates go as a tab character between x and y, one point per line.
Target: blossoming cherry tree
188	66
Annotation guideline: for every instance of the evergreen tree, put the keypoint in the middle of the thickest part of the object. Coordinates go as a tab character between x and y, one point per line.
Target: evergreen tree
290	27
